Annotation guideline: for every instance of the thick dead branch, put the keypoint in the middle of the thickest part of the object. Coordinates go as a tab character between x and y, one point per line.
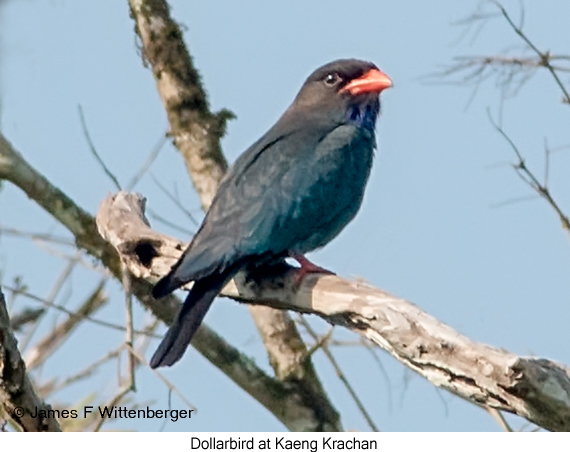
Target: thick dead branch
197	132
18	400
284	400
534	388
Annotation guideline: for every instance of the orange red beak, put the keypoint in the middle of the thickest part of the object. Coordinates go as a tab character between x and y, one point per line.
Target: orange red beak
373	81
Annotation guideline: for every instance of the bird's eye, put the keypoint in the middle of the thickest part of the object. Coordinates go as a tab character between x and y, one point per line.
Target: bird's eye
331	79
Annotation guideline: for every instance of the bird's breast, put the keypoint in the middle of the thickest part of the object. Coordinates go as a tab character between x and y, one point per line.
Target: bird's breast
328	190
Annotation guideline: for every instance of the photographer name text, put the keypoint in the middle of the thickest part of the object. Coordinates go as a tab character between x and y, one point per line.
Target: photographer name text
109	412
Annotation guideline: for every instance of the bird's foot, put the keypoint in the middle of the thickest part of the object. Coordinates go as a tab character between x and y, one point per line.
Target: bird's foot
307	267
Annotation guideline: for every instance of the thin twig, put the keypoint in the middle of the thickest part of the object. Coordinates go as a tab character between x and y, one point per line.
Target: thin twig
148	162
373	352
319	341
61	280
143	340
165	380
129	386
160	219
114	401
27	315
544	56
546	162
87	371
94	150
36	236
175	200
530	179
516	200
113	326
57	336
498	416
340	373
511	72
77	256
129	322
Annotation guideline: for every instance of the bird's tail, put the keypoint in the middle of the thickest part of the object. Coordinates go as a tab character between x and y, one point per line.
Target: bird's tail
188	319
170	282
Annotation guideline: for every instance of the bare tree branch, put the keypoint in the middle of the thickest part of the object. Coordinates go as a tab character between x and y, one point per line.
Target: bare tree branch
531	180
129	333
544	57
53	293
147	163
84	373
197	132
57	336
93	149
71	314
18	400
500	419
511	71
284	399
534	388
322	344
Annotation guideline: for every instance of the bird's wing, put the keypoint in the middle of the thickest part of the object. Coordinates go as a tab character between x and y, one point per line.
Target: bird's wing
313	193
214	247
270	199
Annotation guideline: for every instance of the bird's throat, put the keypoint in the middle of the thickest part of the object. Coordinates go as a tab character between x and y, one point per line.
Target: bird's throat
362	115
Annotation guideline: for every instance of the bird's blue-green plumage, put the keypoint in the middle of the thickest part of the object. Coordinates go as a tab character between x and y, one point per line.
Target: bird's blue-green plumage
291	192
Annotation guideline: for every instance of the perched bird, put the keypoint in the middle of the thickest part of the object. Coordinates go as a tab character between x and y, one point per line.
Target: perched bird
291	192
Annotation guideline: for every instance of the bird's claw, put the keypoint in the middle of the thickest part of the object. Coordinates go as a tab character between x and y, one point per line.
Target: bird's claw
307	267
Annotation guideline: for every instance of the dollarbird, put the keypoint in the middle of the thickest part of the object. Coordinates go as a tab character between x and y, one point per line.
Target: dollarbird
291	192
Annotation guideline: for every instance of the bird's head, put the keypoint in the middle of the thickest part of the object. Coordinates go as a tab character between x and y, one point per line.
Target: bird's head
344	91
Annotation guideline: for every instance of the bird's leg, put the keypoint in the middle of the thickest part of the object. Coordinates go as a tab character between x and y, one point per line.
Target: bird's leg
307	267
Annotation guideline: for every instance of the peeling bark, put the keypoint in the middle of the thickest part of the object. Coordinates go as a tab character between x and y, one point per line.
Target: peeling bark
534	388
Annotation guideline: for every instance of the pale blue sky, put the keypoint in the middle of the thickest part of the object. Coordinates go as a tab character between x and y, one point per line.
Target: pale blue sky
427	231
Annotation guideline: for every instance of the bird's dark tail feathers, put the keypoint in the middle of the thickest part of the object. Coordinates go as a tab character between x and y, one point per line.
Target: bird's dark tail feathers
188	319
168	283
